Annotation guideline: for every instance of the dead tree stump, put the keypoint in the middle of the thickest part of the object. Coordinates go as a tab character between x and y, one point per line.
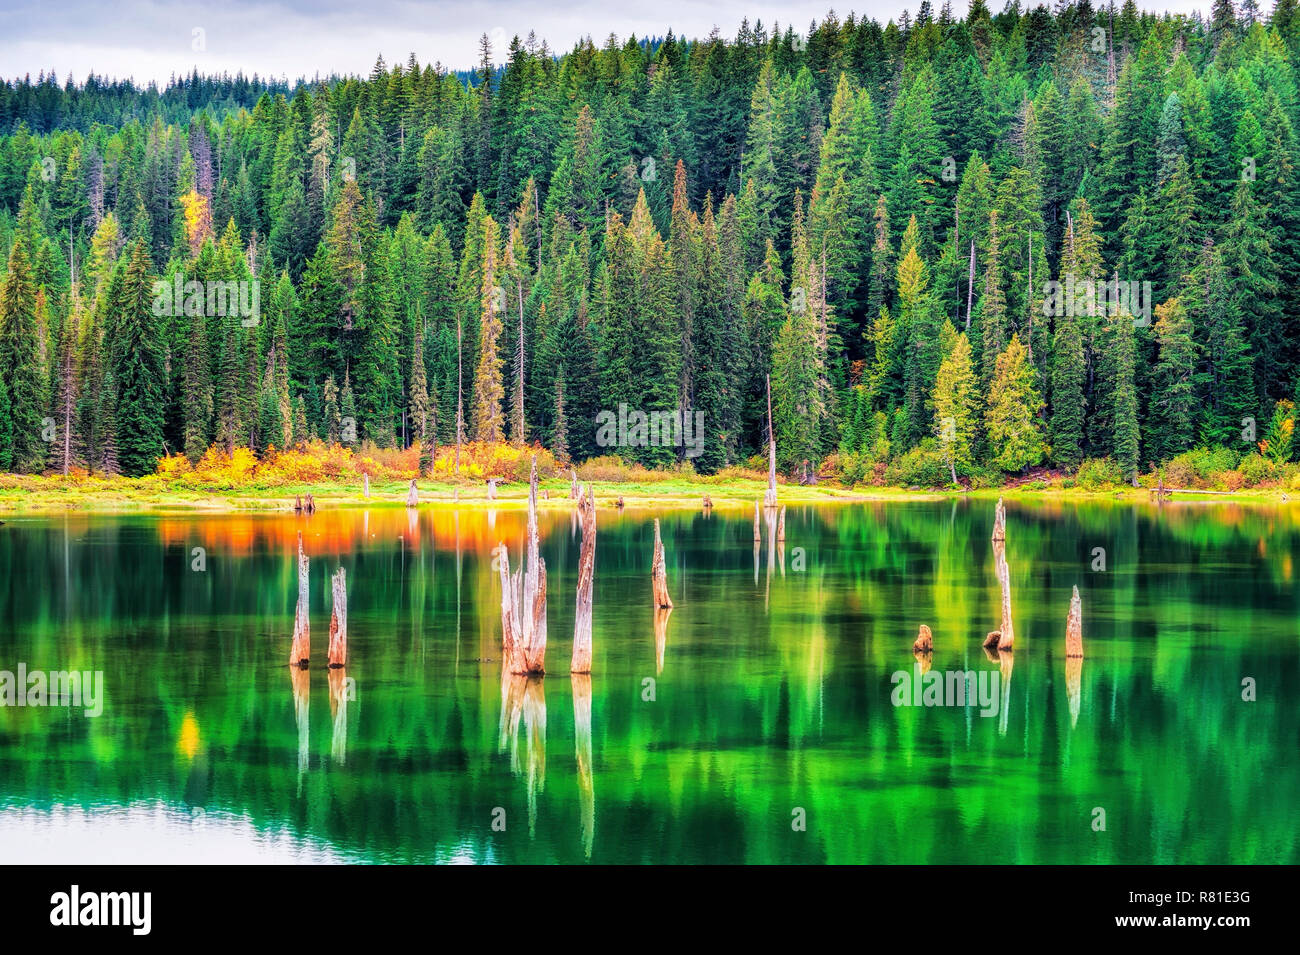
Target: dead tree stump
999	522
1074	628
1006	636
338	652
412	496
924	641
492	489
659	573
581	662
523	599
365	485
300	650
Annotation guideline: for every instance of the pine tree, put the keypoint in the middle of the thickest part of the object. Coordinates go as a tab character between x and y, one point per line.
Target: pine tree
1173	405
956	407
489	390
197	390
19	365
1069	372
1127	436
137	370
423	427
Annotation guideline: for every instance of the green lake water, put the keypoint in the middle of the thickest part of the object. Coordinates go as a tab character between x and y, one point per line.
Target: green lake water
754	724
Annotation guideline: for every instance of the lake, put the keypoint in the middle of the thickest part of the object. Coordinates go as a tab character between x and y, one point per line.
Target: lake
756	722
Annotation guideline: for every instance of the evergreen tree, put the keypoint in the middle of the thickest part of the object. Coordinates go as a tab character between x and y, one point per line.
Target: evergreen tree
1011	419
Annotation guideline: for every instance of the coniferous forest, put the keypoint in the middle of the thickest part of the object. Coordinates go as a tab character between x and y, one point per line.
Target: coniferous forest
960	245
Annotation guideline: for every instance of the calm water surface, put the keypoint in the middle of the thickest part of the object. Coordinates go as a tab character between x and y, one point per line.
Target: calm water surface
763	699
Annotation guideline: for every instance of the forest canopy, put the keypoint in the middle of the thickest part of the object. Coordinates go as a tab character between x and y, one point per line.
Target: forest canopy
985	242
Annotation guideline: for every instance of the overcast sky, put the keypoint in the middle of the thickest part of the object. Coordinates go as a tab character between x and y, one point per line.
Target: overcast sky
153	39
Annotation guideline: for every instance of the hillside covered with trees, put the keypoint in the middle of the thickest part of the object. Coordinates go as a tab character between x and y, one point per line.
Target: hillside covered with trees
959	245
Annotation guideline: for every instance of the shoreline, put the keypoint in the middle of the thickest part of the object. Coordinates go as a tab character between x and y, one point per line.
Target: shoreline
32	495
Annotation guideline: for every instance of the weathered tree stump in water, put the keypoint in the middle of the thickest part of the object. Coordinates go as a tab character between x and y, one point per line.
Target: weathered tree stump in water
993	639
575	492
659	573
365	485
620	504
1074	628
581	661
297	503
1006	635
492	489
523	599
412	496
706	503
300	650
309	505
338	652
780	527
924	641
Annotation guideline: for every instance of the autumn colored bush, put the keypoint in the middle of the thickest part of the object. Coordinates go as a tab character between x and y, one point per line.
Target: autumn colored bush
480	460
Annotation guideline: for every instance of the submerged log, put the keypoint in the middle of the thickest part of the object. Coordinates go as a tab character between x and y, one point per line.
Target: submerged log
924	641
659	573
780	527
769	500
1074	628
523	599
300	650
412	496
581	662
338	652
999	522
